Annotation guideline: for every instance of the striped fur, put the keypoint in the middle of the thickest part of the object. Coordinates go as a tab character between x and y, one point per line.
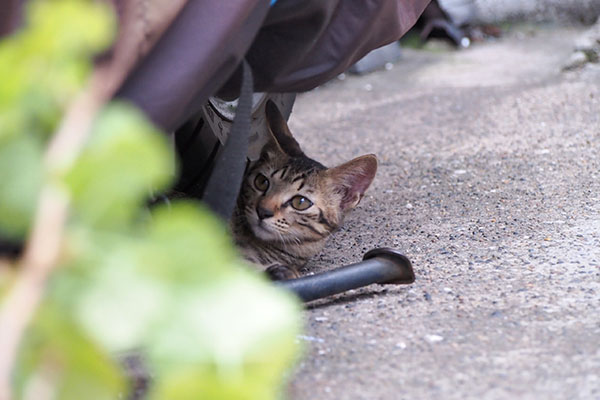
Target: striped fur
267	225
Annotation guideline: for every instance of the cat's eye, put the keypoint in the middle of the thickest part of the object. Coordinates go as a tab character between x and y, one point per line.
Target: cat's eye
300	203
261	182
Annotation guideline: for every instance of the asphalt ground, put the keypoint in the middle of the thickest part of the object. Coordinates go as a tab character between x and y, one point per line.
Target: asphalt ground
489	181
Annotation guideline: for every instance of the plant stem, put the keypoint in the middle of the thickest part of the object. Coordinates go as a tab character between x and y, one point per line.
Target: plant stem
42	250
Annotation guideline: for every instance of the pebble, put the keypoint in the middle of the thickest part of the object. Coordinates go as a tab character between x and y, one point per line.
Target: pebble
310	338
434	338
578	59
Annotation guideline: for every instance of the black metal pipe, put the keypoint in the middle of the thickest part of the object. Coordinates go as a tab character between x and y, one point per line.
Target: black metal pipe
383	266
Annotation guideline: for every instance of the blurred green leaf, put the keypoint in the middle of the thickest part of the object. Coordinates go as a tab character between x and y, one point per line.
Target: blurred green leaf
187	245
56	356
21	177
44	65
112	300
210	327
125	159
7	276
77	28
166	283
232	341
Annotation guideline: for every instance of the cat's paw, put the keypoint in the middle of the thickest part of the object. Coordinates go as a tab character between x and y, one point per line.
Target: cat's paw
279	272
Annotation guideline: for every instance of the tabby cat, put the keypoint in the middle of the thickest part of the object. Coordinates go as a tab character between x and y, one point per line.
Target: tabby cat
289	204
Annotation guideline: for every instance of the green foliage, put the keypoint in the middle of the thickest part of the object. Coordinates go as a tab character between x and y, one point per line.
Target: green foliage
208	327
242	358
7	277
21	177
56	351
44	66
125	157
166	283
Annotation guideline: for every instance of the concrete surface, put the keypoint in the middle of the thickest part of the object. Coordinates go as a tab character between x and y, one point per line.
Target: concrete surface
489	181
585	11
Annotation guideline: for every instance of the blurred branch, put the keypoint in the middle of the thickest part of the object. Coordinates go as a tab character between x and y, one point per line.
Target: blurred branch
42	250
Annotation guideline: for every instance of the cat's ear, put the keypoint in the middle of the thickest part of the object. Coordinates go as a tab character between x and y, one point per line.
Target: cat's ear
280	132
352	179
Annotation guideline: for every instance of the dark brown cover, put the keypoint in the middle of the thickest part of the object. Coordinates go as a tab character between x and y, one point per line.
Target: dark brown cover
175	54
300	45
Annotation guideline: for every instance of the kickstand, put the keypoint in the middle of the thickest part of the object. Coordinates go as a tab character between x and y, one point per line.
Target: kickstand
382	265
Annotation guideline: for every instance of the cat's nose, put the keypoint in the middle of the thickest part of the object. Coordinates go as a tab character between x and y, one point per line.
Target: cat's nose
263	212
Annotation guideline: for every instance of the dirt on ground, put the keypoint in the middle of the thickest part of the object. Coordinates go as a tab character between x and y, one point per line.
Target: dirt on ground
489	181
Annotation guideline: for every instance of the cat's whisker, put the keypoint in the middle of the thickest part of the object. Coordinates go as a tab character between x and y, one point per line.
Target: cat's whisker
282	240
289	239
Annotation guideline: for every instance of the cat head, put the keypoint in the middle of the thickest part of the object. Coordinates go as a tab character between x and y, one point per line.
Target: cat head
288	197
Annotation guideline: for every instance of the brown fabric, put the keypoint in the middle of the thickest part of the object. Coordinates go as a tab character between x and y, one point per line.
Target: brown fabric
305	43
174	54
140	24
301	44
193	58
11	13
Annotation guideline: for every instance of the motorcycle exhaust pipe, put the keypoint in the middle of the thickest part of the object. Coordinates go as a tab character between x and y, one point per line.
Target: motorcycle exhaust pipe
382	265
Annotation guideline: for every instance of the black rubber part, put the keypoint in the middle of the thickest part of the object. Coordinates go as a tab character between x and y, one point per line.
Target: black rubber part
383	266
